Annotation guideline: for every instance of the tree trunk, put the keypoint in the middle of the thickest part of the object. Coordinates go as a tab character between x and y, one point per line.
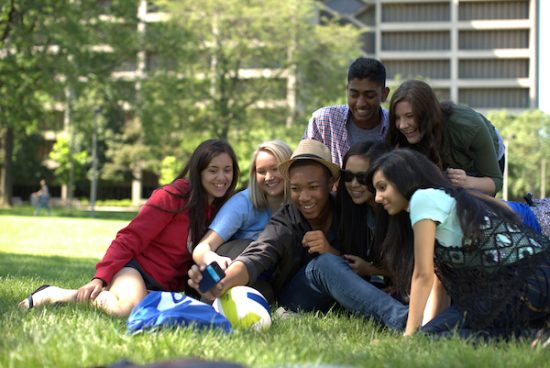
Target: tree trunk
137	186
6	179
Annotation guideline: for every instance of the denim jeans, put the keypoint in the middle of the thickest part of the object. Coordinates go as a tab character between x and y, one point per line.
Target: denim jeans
300	295
328	278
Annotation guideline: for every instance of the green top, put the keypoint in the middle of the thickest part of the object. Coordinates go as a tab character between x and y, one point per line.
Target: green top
472	145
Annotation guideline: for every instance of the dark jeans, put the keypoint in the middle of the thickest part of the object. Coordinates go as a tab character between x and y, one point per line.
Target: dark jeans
327	279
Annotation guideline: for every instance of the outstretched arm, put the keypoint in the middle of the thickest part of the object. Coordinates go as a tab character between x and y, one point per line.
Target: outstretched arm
423	274
235	275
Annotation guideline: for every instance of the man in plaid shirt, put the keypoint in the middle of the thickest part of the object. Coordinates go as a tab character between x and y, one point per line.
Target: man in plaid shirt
362	119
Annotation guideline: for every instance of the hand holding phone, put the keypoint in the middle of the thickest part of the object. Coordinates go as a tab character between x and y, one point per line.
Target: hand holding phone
211	275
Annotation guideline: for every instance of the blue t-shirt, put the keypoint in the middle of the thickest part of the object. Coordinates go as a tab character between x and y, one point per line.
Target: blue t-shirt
238	219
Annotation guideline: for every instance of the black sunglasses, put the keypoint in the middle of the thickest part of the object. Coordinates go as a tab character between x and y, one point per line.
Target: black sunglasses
361	176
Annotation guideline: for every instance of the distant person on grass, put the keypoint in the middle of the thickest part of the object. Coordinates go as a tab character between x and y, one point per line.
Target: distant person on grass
362	119
152	252
41	199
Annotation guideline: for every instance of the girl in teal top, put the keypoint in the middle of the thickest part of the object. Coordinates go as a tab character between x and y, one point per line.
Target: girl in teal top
495	269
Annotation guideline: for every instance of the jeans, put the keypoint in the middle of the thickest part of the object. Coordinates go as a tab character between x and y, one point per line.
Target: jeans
328	278
300	295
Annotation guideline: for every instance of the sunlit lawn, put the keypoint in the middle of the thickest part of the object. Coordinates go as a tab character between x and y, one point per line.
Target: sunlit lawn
63	251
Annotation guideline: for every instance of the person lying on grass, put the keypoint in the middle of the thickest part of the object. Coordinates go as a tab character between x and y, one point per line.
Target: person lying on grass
152	252
495	269
456	138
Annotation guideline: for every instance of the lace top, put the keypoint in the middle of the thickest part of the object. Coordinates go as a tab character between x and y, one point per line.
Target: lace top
488	280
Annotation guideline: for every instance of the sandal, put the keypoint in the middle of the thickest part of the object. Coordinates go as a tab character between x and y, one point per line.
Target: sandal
30	300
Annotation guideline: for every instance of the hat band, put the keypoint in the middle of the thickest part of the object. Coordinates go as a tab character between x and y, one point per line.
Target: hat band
307	155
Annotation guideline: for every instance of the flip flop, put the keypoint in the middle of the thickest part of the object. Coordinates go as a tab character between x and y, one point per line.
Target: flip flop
29	298
542	338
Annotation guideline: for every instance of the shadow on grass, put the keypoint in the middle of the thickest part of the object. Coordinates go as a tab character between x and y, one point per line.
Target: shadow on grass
69	212
48	268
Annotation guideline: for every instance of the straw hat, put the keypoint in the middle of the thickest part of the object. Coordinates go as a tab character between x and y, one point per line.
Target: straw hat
309	149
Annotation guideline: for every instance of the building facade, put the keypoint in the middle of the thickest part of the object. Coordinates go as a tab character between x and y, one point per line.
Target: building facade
482	53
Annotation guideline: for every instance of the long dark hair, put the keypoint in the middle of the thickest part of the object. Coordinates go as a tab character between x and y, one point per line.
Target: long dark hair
197	198
409	171
430	116
355	236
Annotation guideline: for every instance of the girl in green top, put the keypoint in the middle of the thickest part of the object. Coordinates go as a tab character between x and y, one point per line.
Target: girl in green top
456	138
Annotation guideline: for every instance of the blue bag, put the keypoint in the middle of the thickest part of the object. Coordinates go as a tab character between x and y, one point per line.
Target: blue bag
168	309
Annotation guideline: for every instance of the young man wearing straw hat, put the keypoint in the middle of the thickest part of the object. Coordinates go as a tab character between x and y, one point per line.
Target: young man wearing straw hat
297	233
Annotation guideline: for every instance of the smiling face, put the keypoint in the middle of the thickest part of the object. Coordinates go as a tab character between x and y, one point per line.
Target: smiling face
269	179
388	195
406	122
364	99
216	178
310	191
358	192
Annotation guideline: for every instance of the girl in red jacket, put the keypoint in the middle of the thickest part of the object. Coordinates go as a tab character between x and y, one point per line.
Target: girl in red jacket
152	252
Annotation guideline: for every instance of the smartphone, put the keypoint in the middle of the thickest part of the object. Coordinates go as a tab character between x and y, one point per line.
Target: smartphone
211	275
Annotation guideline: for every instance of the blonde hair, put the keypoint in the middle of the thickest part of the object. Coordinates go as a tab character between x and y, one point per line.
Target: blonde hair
282	152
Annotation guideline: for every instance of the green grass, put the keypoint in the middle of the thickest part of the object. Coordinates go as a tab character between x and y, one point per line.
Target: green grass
63	251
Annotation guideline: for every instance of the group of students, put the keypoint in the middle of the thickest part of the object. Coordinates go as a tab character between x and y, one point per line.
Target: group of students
408	239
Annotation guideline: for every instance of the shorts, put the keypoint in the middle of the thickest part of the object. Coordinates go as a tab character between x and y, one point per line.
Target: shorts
150	282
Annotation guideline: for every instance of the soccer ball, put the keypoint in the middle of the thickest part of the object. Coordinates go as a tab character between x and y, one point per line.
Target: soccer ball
245	308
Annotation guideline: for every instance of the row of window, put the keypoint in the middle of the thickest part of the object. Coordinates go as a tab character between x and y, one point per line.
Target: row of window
441	40
431	11
467	69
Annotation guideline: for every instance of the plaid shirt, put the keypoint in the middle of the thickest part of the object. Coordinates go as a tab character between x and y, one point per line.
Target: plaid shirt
330	125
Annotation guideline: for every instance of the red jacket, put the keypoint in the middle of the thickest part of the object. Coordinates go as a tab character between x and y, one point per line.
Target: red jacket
156	239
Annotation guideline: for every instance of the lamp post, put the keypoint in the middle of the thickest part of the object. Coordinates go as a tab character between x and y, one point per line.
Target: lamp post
505	175
543	178
93	184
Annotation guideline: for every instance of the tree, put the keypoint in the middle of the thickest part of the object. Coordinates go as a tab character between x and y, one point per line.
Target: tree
46	48
528	139
237	70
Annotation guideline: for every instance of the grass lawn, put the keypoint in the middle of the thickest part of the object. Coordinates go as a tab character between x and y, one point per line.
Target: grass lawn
63	251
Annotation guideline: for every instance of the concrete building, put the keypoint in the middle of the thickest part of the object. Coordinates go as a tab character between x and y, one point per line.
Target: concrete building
482	53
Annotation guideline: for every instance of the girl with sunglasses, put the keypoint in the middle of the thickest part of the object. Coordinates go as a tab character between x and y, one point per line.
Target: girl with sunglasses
347	279
356	208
